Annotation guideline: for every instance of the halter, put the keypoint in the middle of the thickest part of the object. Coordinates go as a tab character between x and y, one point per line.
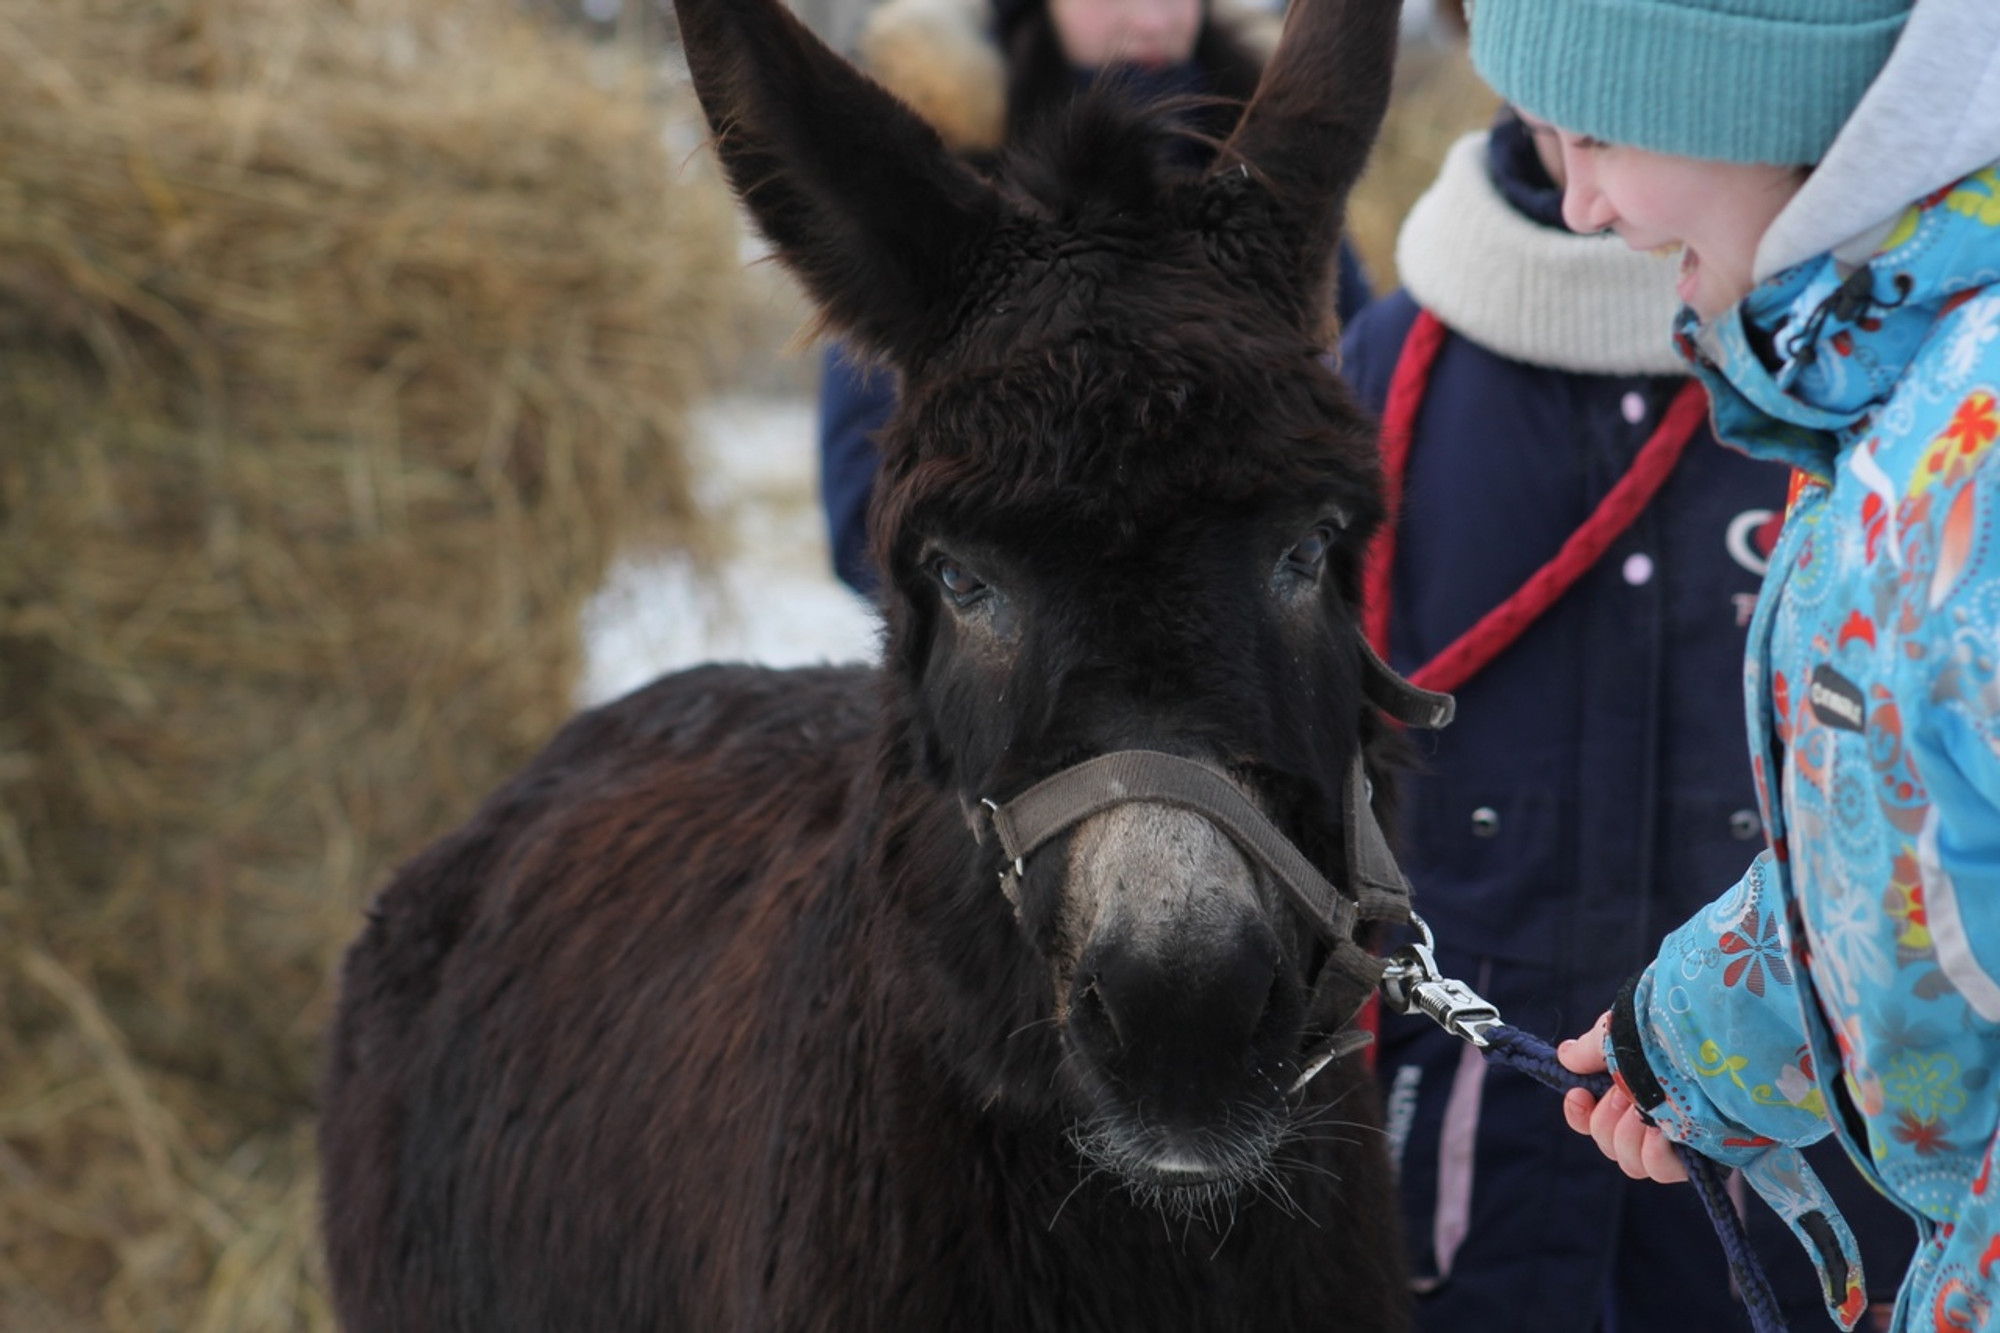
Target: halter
1375	888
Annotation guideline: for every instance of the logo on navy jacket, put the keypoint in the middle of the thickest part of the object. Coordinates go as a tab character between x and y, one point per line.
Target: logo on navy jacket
1750	539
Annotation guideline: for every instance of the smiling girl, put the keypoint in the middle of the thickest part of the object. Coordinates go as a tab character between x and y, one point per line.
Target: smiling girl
1825	170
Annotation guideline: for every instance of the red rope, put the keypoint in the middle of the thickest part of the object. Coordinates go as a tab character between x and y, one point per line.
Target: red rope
1399	417
1498	628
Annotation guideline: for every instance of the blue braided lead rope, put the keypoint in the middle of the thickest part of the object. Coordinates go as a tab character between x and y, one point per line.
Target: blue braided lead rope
1515	1049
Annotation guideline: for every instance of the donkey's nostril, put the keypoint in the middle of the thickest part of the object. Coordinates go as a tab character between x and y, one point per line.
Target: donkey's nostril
1088	1008
1278	1013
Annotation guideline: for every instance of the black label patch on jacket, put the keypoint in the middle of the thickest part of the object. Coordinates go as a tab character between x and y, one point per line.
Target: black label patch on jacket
1837	701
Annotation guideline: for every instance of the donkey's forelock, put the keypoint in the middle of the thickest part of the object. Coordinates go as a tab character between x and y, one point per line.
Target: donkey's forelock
1119	369
1108	155
1108	234
1124	428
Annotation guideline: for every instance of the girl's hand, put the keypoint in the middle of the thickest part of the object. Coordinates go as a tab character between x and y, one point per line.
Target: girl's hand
1640	1150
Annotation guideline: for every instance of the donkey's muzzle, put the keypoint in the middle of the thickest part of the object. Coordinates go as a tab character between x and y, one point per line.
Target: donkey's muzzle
1184	1031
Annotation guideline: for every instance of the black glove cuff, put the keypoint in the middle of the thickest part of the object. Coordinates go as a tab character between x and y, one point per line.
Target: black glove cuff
1631	1054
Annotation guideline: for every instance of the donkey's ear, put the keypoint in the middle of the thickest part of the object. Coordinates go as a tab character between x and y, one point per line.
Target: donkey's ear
861	198
1306	133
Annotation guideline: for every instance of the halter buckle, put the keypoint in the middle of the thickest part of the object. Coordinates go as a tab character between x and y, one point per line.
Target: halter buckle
1019	870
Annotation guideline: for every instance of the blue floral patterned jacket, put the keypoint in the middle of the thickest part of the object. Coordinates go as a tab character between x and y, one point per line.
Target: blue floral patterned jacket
1851	980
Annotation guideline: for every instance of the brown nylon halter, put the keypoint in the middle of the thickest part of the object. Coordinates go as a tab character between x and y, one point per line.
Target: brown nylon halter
1376	889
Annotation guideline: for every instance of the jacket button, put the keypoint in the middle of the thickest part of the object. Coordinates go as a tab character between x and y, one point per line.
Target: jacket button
1632	407
1485	822
1745	825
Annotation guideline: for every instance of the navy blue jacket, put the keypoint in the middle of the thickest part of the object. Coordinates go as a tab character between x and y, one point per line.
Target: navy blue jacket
1591	794
855	401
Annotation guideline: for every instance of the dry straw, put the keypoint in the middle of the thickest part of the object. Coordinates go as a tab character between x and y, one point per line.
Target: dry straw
342	342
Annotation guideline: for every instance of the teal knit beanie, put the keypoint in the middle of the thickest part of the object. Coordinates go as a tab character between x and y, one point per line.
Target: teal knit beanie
1729	80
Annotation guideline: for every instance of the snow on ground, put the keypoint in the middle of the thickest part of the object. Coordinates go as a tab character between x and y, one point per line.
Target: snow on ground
772	597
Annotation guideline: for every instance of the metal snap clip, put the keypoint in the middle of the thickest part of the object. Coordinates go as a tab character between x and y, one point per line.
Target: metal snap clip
1412	981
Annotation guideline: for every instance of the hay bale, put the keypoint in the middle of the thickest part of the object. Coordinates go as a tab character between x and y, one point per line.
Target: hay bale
342	342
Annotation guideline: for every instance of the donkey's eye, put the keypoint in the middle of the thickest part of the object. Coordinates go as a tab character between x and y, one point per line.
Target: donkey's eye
1309	555
959	583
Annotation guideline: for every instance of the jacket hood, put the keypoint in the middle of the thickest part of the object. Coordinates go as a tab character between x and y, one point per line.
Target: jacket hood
940	56
1930	117
1809	358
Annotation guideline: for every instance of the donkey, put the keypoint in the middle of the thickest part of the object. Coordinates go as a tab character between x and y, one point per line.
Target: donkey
984	991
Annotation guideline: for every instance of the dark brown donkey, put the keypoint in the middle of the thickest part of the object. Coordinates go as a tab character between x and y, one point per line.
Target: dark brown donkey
723	1015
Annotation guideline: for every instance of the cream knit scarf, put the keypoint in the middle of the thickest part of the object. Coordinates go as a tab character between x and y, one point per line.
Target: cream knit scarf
1533	293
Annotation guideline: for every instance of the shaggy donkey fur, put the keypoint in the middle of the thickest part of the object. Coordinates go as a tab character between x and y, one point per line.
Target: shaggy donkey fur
718	1017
